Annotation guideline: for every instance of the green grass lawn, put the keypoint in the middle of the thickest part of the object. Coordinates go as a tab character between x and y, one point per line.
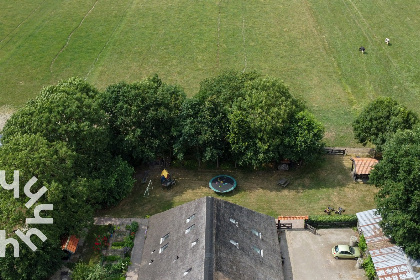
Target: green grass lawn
311	190
312	45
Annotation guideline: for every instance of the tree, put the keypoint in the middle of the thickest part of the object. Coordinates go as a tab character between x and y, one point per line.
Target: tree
52	164
398	178
380	119
113	183
142	117
202	130
68	112
38	265
304	140
268	124
226	88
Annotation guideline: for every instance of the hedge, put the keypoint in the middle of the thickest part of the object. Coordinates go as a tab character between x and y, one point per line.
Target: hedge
332	221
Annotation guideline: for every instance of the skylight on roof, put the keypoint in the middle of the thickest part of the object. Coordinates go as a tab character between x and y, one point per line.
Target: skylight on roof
190	218
194	243
234	222
236	244
187	271
163	248
259	251
189	229
256	233
164	238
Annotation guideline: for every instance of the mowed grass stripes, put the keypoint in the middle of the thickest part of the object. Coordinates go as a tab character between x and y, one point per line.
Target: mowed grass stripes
311	45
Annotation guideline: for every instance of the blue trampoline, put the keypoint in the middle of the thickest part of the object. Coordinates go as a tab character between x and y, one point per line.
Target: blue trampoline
222	183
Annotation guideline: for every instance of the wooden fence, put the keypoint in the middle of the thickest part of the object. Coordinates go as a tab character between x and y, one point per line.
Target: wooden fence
310	228
284	225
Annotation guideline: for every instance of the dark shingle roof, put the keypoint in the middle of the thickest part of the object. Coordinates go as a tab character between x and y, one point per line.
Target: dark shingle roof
221	240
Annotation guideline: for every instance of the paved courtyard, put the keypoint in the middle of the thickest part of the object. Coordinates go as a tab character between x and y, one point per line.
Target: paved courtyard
308	256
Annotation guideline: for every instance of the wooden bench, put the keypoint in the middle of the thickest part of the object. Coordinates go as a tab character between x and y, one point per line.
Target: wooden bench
330	151
284	225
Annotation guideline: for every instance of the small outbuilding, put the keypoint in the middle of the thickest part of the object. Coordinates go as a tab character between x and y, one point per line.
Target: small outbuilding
70	243
361	168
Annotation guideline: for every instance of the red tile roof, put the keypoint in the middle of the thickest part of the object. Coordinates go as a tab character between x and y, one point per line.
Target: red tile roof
293	217
363	165
70	244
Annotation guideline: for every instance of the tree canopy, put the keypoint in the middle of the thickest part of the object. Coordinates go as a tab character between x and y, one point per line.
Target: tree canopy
80	144
52	164
398	178
249	118
202	130
268	124
62	137
68	112
142	117
380	119
203	127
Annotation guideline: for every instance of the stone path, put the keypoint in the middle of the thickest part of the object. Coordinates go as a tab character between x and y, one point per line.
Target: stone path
137	251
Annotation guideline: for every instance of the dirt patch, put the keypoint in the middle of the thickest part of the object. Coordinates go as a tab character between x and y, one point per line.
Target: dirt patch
5	113
308	256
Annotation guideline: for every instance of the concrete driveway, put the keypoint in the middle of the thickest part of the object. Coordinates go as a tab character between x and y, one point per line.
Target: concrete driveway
308	256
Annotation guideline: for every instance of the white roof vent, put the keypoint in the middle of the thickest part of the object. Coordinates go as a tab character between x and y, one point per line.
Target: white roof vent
236	244
187	271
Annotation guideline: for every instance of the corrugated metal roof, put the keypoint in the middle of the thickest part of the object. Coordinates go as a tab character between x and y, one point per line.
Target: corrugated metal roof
391	263
363	165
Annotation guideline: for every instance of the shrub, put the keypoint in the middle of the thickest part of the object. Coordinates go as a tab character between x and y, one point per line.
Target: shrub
101	242
133	227
81	271
85	271
112	258
117	244
369	268
120	268
362	243
332	221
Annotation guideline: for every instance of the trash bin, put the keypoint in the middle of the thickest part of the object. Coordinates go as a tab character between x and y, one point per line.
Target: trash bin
353	241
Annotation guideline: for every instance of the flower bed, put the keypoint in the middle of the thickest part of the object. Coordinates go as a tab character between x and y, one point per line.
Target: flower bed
114	248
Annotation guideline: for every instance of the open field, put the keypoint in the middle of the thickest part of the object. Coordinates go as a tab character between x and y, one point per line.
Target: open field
311	190
311	45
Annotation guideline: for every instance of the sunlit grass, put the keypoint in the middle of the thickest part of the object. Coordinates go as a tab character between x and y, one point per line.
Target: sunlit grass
311	190
311	45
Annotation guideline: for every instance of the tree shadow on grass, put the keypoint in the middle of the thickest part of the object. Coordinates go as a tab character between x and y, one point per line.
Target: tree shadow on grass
312	187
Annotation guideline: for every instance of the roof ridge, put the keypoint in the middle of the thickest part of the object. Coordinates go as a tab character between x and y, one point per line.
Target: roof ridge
209	240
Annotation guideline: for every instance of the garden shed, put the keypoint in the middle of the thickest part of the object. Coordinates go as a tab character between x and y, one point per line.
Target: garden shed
361	168
70	244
